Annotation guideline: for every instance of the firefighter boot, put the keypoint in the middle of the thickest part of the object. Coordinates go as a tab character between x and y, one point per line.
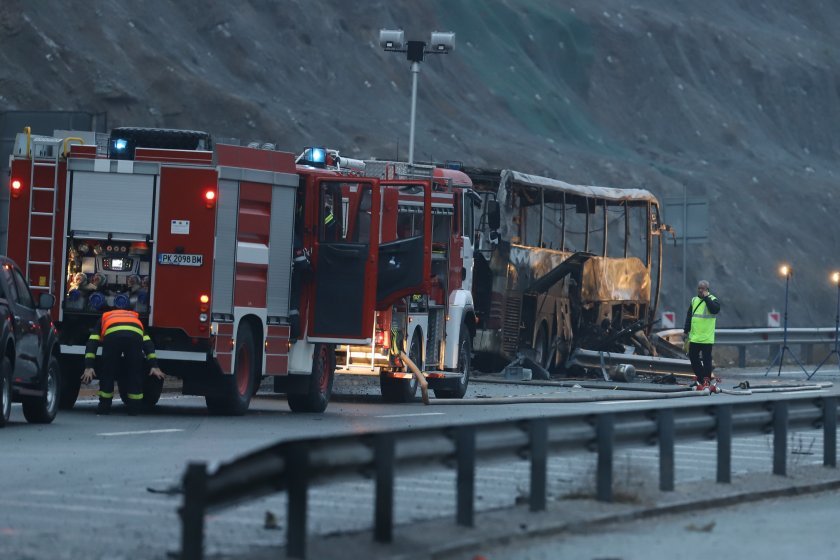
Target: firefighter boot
104	406
133	406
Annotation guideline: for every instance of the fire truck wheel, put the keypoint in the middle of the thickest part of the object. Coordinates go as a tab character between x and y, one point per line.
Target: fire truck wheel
233	394
5	390
71	381
458	387
42	409
320	385
403	390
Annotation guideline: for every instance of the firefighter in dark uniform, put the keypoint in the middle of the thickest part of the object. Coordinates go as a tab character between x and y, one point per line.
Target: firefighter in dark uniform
121	334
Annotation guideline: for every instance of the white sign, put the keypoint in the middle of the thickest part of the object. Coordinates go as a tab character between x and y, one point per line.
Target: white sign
774	319
180	227
669	320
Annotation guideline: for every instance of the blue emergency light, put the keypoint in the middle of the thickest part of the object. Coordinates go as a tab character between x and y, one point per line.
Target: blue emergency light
316	157
120	144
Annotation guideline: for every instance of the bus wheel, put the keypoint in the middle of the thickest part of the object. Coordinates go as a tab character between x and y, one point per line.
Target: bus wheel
403	390
319	388
541	347
71	381
458	387
232	394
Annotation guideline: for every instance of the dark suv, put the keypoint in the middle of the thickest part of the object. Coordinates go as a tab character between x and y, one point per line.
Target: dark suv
29	371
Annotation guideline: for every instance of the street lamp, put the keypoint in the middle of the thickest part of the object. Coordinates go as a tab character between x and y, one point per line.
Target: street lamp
786	271
835	278
393	40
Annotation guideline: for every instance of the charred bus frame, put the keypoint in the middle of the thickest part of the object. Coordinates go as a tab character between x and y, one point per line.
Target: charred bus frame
561	266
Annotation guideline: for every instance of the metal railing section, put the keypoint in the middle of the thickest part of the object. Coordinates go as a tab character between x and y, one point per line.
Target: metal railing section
294	466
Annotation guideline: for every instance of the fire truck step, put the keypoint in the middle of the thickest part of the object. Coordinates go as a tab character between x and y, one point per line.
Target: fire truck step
42	214
441	374
44	263
43	164
43	189
34	238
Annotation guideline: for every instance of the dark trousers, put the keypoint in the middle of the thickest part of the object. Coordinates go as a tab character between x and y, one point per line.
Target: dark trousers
122	355
701	360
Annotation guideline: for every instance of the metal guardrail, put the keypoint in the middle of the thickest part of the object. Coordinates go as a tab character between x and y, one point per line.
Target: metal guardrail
806	337
293	466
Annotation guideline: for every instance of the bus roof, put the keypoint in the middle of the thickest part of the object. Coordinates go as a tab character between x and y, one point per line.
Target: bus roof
606	193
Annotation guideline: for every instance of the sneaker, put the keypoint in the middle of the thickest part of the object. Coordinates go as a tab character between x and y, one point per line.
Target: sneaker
104	407
701	386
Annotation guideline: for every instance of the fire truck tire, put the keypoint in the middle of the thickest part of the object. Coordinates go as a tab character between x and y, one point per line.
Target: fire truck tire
320	384
42	409
71	381
233	396
5	390
456	388
403	390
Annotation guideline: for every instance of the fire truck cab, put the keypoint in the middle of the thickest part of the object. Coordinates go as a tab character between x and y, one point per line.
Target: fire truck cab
431	210
199	239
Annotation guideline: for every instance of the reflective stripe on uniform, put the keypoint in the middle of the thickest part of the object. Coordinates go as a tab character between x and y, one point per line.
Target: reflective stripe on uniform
94	337
130	328
120	317
135	396
90	355
146	337
105	395
151	356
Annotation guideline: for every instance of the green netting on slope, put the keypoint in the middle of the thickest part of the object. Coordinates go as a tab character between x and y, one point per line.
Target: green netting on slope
534	57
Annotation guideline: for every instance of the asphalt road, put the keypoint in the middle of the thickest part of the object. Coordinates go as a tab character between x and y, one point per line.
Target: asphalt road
96	487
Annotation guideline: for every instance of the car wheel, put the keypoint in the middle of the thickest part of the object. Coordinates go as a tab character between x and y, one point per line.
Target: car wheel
42	409
5	391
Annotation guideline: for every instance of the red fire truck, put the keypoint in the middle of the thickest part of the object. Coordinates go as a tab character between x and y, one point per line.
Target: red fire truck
434	322
199	239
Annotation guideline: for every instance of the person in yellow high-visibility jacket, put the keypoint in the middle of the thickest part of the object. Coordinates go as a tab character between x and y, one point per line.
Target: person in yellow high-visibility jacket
700	332
121	334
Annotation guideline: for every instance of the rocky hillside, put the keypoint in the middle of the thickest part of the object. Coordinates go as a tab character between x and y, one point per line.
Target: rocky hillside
733	101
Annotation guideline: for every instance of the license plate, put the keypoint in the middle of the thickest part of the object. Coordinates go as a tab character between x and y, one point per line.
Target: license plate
181	259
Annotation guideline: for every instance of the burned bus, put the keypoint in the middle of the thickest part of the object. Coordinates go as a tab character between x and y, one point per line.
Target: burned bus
560	267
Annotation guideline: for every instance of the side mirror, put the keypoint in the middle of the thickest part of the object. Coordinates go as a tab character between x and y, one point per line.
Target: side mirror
46	301
494	218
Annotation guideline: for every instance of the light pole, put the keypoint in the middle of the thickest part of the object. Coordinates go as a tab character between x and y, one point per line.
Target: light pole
787	272
835	278
393	40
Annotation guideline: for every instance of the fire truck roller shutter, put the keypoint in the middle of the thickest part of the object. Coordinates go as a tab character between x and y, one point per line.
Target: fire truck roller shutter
224	263
129	198
280	249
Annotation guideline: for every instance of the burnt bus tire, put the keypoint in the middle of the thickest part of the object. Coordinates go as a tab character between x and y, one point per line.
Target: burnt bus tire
319	388
456	388
5	390
71	381
402	390
42	409
232	396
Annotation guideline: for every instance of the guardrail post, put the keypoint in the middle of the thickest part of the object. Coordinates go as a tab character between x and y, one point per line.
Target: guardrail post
465	457
539	463
742	356
297	463
780	425
192	512
604	431
665	427
724	443
383	521
830	431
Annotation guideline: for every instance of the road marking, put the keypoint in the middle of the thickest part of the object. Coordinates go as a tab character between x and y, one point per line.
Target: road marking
625	402
167	431
415	414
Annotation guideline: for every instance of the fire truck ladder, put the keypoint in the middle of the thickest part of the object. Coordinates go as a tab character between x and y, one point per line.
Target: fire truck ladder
45	153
